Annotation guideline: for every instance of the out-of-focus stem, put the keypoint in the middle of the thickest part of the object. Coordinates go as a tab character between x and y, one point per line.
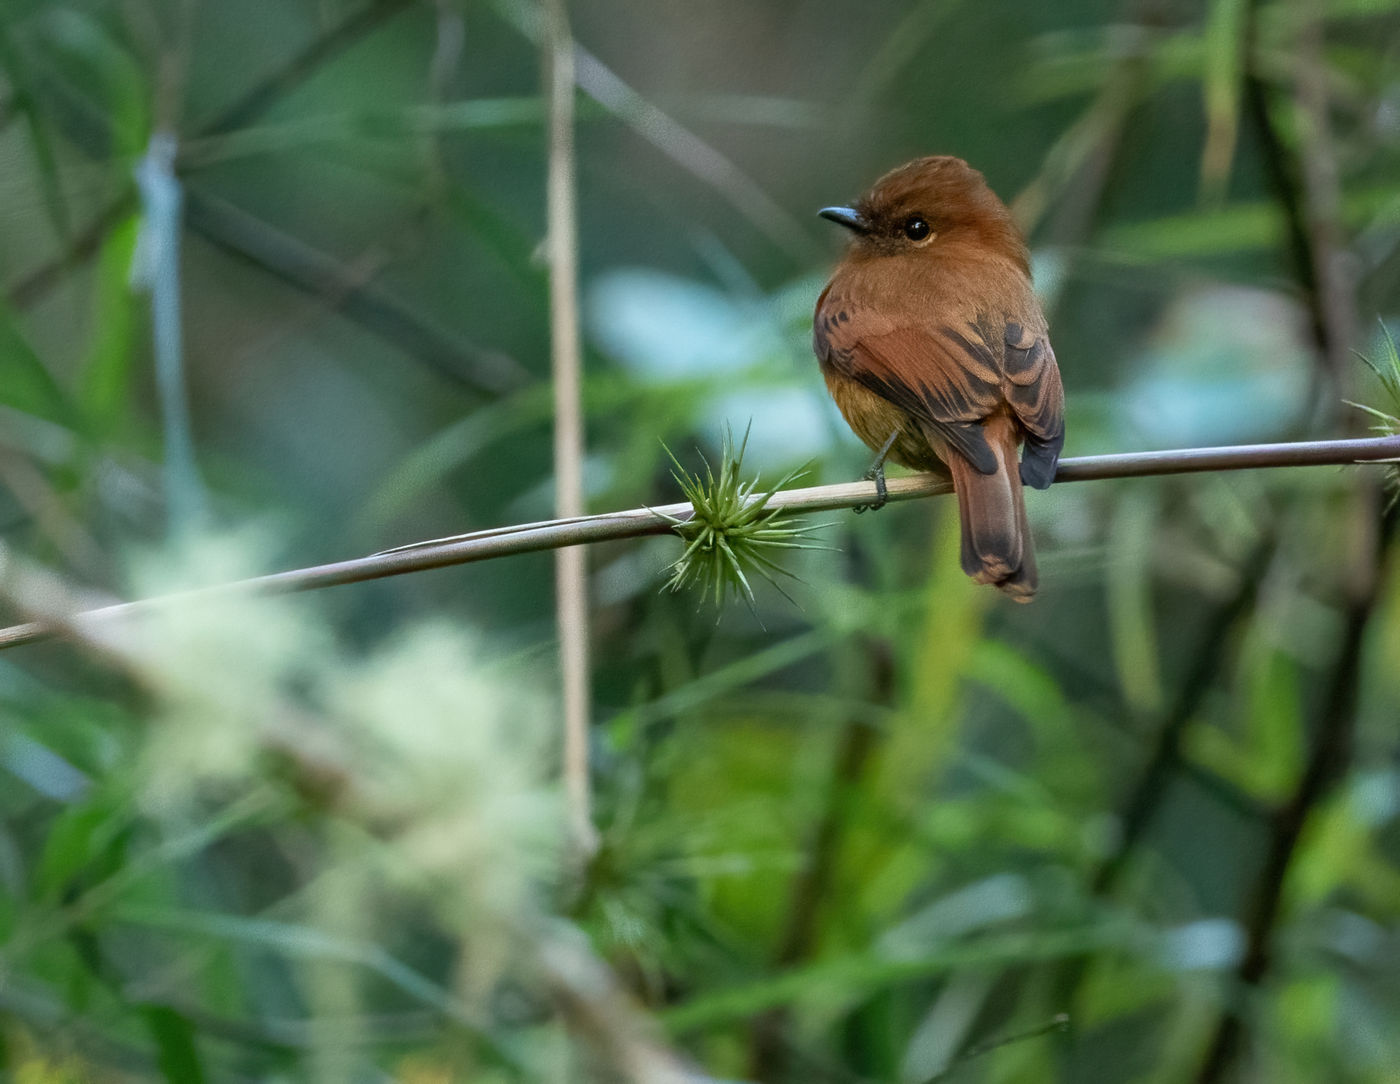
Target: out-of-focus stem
156	269
570	565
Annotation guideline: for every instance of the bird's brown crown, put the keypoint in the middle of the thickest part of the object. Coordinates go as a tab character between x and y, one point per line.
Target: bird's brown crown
950	197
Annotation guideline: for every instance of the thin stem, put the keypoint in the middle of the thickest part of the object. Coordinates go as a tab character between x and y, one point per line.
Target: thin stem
570	563
637	522
157	270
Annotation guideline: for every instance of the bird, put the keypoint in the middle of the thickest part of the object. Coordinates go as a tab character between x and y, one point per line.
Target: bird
934	347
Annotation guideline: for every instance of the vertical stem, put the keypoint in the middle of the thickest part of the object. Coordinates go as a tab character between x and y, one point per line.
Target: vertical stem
157	269
333	987
570	569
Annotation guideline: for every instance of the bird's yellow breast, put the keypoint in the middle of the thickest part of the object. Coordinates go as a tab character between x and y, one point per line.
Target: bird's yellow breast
873	419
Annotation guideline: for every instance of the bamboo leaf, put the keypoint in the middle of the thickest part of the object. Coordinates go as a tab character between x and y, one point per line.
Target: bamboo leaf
107	379
26	103
25	381
1222	79
174	1035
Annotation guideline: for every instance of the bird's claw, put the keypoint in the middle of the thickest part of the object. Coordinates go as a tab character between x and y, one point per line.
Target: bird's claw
875	474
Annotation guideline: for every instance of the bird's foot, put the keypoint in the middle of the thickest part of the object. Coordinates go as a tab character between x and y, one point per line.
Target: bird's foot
875	474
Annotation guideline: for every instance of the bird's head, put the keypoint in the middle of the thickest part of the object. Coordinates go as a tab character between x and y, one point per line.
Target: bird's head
926	205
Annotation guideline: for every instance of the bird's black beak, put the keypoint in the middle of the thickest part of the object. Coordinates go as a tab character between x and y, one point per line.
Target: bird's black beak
846	216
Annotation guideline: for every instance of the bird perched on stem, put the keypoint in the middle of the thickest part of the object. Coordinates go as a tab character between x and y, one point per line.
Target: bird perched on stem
934	347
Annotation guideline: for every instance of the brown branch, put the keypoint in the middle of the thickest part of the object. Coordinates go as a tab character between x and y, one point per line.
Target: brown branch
638	522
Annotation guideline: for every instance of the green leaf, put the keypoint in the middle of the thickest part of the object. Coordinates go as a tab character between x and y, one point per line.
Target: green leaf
107	377
849	978
87	840
1221	82
176	1053
26	103
1236	227
25	382
296	941
1130	612
1265	760
105	91
1276	722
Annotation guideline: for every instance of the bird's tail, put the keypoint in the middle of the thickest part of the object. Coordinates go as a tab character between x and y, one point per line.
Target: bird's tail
996	537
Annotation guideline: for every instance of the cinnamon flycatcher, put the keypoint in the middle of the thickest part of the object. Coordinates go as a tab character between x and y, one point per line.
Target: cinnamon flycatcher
934	347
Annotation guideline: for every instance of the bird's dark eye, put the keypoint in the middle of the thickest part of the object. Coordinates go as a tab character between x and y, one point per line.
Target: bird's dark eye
916	229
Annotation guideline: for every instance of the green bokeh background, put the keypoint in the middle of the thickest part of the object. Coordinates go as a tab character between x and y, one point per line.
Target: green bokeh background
1144	829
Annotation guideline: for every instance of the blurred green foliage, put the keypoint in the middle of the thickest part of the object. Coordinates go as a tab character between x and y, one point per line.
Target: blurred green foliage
1147	829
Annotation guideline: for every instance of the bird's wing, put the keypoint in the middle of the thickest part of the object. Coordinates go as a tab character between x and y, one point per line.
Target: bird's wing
946	378
1037	397
1033	382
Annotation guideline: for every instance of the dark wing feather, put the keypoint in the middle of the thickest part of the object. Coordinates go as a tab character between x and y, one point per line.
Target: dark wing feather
949	381
1037	397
